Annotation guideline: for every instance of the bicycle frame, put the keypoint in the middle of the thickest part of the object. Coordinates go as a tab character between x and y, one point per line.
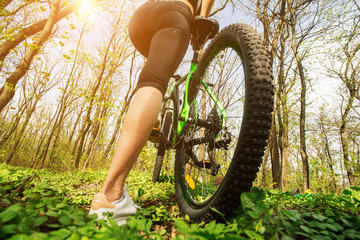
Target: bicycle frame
181	119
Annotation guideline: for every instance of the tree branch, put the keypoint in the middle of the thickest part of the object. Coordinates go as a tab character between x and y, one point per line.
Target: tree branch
31	30
219	9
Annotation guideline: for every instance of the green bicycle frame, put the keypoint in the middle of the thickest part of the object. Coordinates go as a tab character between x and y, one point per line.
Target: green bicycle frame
184	115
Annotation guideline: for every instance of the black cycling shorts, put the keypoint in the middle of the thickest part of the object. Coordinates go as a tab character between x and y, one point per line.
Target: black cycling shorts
160	31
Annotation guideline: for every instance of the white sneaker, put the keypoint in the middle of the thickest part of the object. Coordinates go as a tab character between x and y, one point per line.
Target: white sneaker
122	208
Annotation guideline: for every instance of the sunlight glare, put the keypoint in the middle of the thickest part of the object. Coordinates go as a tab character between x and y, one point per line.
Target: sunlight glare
87	6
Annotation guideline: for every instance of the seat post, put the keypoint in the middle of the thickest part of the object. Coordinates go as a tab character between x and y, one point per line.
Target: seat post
196	49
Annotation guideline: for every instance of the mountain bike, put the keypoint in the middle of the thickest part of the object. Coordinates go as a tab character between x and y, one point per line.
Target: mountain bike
219	127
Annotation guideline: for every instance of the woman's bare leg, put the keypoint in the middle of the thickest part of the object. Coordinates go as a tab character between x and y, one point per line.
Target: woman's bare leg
139	121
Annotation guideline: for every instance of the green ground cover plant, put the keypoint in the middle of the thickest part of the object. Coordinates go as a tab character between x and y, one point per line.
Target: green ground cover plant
39	204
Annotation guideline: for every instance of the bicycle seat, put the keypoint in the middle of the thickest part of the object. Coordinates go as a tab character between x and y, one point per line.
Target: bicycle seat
203	29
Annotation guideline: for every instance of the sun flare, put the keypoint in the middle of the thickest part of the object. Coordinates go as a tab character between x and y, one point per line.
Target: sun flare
87	6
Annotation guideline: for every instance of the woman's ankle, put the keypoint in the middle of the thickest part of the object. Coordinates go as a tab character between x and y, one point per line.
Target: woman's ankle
113	196
111	191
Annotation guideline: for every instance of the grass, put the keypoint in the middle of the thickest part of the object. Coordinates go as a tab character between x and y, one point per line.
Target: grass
38	204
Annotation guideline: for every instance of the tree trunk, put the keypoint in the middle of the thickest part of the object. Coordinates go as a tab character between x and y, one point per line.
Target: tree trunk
82	127
117	128
304	155
22	130
328	154
76	124
44	152
344	141
275	158
14	125
81	144
264	183
283	113
295	48
268	17
56	133
38	154
94	134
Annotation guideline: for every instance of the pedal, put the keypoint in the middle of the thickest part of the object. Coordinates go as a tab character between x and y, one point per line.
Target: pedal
155	136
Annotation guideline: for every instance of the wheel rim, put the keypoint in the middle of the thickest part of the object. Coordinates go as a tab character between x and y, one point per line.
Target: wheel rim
226	76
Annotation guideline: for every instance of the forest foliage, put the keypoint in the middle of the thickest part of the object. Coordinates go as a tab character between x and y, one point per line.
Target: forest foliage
37	204
67	77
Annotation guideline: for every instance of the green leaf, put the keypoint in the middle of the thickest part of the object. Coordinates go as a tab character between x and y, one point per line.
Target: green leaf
253	235
303	234
346	222
148	226
319	217
163	231
331	227
220	213
286	237
51	213
6	201
275	237
349	205
329	213
75	236
19	237
320	225
39	220
246	201
9	229
65	220
286	224
253	214
61	205
259	227
351	234
53	225
62	233
293	215
306	229
23	228
141	192
260	195
5	172
182	226
7	215
38	236
347	192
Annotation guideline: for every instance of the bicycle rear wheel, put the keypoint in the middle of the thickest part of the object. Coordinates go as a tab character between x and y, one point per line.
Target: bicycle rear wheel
219	156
